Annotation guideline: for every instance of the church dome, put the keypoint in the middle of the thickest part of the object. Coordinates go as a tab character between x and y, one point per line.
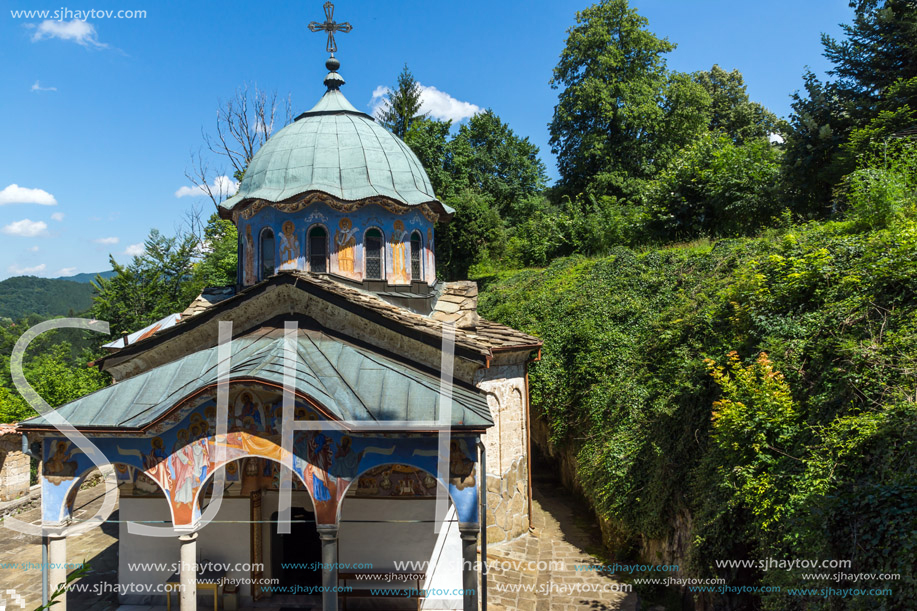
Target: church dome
336	149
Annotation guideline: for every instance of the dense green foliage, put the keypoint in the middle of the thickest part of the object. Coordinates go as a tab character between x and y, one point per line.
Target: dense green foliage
56	365
167	277
489	175
769	464
875	90
24	295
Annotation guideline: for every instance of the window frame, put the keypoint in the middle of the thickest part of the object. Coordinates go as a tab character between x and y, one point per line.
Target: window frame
381	249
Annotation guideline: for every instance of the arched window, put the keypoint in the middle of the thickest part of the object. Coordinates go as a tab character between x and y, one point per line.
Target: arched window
372	252
267	254
318	249
416	254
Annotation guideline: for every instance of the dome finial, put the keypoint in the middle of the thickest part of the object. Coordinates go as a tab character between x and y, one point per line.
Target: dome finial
333	80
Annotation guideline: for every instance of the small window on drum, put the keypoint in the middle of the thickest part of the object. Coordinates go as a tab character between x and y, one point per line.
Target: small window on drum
416	256
372	246
267	254
318	250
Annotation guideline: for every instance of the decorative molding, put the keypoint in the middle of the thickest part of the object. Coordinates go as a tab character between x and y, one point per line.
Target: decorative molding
300	202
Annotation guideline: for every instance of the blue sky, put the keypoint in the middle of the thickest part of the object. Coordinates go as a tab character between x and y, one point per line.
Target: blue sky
99	118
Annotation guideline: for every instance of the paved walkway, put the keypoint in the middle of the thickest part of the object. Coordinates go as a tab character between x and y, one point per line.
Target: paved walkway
97	547
563	532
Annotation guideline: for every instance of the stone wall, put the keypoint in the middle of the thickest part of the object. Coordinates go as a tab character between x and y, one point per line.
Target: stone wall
507	503
506	444
14	465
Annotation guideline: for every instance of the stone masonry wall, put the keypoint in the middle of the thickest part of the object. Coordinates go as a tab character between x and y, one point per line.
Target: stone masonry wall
506	445
507	503
14	466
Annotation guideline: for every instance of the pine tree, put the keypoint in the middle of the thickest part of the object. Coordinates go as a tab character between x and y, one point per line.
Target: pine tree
402	104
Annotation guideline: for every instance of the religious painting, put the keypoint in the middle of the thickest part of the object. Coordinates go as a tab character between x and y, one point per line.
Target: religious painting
248	274
461	467
399	251
289	246
62	464
431	258
345	242
124	473
401	481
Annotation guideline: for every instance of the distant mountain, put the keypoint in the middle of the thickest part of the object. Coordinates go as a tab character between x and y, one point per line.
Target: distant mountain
87	278
24	295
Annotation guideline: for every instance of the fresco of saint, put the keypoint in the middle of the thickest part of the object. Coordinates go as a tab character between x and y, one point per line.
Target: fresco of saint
289	246
399	250
320	460
182	470
430	257
248	275
345	241
62	463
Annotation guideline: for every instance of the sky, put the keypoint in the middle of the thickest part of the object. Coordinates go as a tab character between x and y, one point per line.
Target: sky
99	116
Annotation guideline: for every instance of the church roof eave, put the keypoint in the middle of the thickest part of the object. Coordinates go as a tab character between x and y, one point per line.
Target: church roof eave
339	378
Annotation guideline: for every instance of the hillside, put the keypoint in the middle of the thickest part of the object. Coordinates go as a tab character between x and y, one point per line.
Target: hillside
24	295
748	400
86	278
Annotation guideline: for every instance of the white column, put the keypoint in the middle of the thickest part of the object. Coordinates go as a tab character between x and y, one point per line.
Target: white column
57	569
188	574
329	537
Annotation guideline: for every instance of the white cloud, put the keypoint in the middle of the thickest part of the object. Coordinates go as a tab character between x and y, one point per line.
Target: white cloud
57	216
78	31
66	271
106	240
135	250
775	138
26	228
14	194
34	249
437	104
38	87
22	271
223	186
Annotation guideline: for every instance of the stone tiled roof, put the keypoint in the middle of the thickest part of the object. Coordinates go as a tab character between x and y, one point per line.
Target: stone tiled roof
208	297
7	429
483	339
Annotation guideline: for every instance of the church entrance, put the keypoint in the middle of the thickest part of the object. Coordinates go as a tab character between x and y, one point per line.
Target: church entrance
296	557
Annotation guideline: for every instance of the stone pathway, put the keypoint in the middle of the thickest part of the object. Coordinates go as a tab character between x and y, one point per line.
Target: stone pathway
97	547
561	534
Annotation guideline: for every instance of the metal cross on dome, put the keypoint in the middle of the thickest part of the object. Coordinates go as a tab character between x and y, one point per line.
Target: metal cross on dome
331	27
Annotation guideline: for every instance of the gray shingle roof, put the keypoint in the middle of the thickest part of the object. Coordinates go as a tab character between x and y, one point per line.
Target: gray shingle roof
353	383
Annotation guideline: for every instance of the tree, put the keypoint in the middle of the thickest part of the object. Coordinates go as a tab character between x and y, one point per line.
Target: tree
880	48
243	124
219	245
715	188
731	109
154	285
875	65
401	106
488	157
611	75
429	139
474	234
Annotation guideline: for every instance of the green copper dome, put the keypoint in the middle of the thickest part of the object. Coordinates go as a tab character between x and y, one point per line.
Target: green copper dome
338	150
